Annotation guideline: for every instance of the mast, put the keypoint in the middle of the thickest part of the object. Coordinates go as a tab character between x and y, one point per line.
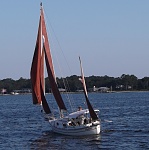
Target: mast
42	51
42	56
49	65
91	110
42	85
37	72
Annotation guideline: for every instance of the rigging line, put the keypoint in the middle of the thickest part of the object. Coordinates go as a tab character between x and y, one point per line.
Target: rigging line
68	96
45	67
57	58
72	100
52	108
52	42
59	45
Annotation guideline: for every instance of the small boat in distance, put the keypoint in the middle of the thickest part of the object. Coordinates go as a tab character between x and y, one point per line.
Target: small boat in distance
78	123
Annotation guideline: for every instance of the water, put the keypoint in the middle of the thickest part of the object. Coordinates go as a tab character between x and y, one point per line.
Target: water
124	122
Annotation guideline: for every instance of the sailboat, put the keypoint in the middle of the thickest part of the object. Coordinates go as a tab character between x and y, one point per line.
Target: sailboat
78	123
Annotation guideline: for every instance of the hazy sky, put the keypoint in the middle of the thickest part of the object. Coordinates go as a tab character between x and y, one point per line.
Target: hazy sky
111	36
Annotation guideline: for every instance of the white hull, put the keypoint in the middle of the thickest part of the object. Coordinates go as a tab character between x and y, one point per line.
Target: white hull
78	131
81	122
75	125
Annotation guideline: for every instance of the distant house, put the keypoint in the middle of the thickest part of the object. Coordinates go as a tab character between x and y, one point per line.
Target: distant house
122	87
101	89
22	91
80	91
3	91
119	86
129	87
62	90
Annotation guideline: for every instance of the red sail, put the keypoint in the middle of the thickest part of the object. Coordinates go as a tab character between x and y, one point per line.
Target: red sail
44	102
91	110
53	84
45	40
42	85
35	69
37	73
49	65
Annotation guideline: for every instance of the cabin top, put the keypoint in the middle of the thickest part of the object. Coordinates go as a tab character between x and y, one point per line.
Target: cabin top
79	113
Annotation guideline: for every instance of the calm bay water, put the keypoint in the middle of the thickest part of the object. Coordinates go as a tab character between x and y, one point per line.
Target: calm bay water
124	123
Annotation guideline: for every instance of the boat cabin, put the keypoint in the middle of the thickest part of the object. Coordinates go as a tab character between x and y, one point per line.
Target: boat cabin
81	117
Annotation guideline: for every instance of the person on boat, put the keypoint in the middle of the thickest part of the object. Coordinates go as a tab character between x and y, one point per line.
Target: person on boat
79	108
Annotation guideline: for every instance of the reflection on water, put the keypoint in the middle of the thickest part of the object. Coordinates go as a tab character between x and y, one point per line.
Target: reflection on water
50	140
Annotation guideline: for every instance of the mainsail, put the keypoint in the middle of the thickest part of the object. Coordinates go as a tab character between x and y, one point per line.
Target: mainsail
91	110
49	65
42	51
35	69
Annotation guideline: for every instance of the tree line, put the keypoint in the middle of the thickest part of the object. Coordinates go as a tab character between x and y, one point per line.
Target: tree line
124	82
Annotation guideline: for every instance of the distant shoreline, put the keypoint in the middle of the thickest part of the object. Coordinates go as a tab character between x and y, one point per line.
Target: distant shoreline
80	93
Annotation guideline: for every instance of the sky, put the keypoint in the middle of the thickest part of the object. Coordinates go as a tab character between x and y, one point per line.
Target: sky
111	36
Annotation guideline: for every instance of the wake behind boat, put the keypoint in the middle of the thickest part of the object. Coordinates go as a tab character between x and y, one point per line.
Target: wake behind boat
81	122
